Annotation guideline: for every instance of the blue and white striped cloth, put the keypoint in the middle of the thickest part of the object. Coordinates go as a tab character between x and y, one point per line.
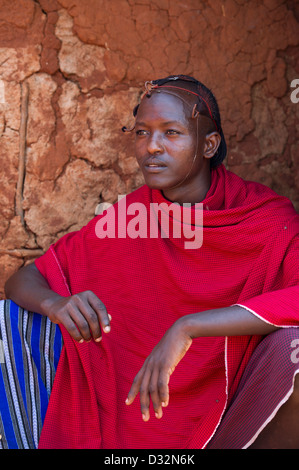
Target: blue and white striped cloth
30	347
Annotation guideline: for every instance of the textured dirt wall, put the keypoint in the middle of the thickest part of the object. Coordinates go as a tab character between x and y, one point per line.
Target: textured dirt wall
71	72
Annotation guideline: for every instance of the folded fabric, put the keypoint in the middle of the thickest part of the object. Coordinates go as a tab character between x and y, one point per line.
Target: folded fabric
249	256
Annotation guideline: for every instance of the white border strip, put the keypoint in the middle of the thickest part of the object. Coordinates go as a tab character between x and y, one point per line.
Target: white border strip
31	380
263	319
46	352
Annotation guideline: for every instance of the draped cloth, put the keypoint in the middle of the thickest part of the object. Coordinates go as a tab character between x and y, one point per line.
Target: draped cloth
249	257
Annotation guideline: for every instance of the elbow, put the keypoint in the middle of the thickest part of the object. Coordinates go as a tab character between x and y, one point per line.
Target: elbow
8	287
16	281
7	290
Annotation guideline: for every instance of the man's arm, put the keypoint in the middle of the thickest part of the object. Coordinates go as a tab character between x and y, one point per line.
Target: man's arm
29	289
229	321
152	380
82	314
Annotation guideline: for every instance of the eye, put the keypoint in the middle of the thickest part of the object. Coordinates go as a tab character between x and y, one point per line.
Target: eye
172	132
141	132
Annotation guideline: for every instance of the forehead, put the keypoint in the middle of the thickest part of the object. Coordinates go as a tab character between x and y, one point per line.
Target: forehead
163	106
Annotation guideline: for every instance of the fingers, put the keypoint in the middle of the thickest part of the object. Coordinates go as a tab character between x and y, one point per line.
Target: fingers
152	385
99	308
84	316
134	390
85	320
152	380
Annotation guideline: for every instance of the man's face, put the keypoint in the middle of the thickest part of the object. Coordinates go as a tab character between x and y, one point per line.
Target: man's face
169	147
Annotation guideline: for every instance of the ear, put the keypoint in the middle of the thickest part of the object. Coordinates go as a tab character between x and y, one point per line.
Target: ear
212	143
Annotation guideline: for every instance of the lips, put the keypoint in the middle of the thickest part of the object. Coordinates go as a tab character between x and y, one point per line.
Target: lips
154	164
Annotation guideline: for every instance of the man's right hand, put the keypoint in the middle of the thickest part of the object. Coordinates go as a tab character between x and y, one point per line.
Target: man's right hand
83	315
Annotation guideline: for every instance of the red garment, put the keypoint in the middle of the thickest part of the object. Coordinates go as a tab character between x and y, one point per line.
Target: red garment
249	257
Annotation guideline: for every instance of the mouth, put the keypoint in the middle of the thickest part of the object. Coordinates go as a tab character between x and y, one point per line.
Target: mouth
155	166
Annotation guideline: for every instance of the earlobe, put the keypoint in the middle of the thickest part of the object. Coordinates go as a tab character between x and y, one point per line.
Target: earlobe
212	143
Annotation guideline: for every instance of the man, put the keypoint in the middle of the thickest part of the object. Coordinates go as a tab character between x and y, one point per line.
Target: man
183	322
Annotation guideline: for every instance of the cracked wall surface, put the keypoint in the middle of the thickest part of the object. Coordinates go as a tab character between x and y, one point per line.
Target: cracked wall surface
71	72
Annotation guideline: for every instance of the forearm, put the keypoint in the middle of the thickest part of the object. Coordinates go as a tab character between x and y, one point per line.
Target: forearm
153	377
229	321
29	289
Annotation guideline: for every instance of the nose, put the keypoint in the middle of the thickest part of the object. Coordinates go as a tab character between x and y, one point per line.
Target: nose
155	144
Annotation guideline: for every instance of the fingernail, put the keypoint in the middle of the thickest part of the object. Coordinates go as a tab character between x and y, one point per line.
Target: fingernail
98	339
163	403
107	329
109	316
81	341
127	401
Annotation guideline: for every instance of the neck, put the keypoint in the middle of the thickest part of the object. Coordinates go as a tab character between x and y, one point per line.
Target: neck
191	194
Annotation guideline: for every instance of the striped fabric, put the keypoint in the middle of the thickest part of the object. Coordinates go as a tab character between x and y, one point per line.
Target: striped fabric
30	347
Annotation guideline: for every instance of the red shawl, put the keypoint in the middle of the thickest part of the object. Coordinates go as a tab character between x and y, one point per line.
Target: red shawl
249	257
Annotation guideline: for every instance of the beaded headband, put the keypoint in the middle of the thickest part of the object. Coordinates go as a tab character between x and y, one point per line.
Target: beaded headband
150	86
156	85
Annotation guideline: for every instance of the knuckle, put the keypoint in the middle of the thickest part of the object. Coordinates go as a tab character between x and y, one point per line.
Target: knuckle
163	394
100	306
72	329
74	332
76	298
135	381
143	390
89	293
160	384
83	294
152	389
82	323
92	317
144	407
70	307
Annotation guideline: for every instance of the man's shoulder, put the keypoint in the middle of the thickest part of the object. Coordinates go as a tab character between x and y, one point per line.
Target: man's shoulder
256	191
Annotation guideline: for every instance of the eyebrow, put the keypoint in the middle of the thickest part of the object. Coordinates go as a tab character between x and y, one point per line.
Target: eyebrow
167	123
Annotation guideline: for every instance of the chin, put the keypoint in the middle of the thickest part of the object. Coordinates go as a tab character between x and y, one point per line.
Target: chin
156	184
159	180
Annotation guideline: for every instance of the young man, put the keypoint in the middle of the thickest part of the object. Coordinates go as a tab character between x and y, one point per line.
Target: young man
181	323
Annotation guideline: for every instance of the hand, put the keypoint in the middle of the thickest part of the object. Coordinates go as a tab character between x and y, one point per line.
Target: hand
83	315
153	378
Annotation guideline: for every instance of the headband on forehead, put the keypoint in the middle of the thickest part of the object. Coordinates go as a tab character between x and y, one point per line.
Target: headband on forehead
151	86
